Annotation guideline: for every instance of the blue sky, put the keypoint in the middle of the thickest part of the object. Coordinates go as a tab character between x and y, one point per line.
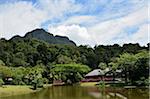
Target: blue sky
87	22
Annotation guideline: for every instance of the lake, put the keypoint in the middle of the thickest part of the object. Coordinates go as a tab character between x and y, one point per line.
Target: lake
77	92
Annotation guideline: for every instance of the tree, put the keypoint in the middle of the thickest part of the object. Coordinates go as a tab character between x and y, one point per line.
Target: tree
44	54
37	82
6	71
35	77
127	63
18	75
69	72
131	48
141	72
19	59
61	59
102	65
91	59
134	66
114	67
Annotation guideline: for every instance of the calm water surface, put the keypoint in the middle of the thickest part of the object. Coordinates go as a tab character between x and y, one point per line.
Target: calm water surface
77	92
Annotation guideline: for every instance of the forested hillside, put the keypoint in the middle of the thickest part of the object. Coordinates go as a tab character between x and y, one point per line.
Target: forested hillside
33	53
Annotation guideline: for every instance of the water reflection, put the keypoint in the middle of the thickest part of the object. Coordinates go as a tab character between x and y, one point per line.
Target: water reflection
121	93
77	92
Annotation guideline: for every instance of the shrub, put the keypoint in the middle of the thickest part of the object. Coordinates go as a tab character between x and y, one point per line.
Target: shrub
1	82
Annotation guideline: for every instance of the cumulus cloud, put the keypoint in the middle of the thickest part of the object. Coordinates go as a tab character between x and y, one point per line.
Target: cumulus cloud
76	33
18	18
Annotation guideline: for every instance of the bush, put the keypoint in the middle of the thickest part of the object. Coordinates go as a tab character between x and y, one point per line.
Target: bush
37	83
147	82
1	82
102	85
45	80
40	82
2	63
18	81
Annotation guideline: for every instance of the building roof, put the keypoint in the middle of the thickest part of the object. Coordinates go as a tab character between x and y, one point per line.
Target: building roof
97	72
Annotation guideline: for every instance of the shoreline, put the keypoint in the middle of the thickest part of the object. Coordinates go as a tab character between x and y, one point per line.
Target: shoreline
94	84
13	90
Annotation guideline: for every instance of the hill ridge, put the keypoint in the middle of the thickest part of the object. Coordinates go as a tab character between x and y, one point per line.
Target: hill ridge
43	35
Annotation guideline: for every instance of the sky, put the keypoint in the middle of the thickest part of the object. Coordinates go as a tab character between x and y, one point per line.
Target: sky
86	22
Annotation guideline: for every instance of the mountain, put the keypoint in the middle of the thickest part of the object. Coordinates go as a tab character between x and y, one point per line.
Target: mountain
41	34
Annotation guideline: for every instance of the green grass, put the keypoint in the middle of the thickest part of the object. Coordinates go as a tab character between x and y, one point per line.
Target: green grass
10	90
86	84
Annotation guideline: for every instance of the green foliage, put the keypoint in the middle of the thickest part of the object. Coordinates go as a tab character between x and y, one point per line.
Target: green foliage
147	81
37	82
45	80
19	59
102	85
18	75
61	59
2	63
1	82
72	72
6	71
102	65
18	81
135	66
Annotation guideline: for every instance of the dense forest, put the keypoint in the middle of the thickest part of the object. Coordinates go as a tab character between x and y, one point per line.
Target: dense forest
31	60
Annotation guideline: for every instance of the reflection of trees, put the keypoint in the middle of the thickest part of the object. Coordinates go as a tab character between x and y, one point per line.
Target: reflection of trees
67	92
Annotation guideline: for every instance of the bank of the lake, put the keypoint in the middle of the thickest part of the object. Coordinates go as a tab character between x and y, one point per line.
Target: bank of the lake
88	84
12	90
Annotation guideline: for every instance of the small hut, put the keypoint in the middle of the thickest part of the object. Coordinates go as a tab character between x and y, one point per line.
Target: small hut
8	80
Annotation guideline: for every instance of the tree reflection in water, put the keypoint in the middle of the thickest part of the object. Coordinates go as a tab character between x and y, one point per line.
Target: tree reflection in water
77	92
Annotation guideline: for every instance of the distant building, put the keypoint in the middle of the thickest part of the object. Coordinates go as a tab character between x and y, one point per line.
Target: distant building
103	75
8	80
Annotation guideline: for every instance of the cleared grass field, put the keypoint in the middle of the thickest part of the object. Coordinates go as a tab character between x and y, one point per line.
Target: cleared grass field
10	90
88	84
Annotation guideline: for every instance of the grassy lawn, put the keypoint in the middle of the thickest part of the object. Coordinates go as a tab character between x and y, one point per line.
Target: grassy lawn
86	84
9	90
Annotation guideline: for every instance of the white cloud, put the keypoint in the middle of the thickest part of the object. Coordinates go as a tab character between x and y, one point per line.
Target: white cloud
19	18
81	19
104	32
57	8
140	36
75	32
